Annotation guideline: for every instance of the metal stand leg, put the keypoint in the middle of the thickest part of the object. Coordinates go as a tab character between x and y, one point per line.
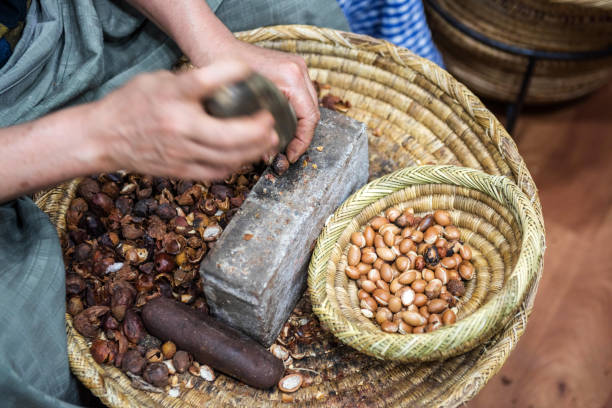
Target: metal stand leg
515	108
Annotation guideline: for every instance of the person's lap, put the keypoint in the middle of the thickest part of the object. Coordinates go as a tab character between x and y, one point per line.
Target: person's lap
33	358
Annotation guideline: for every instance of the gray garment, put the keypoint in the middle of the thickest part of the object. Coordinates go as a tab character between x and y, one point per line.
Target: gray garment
72	52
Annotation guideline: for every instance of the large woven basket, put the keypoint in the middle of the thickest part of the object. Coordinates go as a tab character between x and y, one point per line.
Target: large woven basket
532	24
418	114
496	219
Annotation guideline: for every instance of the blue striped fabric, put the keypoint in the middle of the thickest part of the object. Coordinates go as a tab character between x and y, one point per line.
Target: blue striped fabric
401	22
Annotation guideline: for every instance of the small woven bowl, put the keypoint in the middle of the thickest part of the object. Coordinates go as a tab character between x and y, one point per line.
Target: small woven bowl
495	218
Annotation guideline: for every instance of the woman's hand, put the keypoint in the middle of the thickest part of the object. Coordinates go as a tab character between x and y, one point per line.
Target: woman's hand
204	39
290	74
156	124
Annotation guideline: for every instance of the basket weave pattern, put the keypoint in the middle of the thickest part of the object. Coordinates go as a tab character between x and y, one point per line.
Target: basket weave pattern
508	251
533	24
421	115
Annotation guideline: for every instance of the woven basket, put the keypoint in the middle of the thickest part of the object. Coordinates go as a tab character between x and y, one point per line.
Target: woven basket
418	114
532	24
495	218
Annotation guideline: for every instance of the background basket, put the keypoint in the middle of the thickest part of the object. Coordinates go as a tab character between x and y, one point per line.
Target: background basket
495	218
532	24
418	114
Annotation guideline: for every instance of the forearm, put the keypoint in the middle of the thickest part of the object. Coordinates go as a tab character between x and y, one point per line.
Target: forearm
192	25
49	150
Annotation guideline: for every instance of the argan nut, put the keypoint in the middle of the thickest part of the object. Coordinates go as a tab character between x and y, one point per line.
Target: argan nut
379	241
416	236
373	275
466	252
406	246
383	314
448	263
419	329
456	287
406	295
428	274
420	299
430	236
379	263
378	222
395	285
133	362
419	285
381	296
395	304
425	223
368	256
381	284
386	272
433	288
437	306
369	234
181	361
368	286
154	355
419	263
442	274
442	217
389	238
402	263
407	277
168	350
466	270
413	319
403	327
447	297
449	317
103	351
358	239
389	327
423	311
369	304
392	214
386	254
280	164
352	272
362	294
156	374
290	383
453	275
401	221
363	268
74	306
354	255
452	233
164	263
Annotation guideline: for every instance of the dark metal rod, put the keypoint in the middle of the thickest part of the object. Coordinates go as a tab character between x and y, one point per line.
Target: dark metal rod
512	48
515	108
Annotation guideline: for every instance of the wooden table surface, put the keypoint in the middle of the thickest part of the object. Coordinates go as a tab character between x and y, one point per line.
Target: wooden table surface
564	359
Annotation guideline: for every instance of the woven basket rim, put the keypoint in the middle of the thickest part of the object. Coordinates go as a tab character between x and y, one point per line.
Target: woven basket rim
501	188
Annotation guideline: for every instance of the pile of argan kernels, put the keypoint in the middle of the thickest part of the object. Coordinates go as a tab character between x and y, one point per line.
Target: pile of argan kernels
409	270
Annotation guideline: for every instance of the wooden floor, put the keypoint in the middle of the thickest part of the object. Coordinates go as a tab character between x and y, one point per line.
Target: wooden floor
565	357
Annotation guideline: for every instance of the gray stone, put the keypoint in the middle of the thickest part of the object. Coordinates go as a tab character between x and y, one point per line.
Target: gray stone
253	284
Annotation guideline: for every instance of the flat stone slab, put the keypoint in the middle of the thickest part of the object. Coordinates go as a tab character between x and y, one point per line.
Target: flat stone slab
256	272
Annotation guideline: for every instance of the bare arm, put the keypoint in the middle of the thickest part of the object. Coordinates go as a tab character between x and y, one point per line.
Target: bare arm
204	39
154	124
57	147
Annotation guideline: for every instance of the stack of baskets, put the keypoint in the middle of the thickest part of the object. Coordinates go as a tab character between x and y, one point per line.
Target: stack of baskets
418	114
567	26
